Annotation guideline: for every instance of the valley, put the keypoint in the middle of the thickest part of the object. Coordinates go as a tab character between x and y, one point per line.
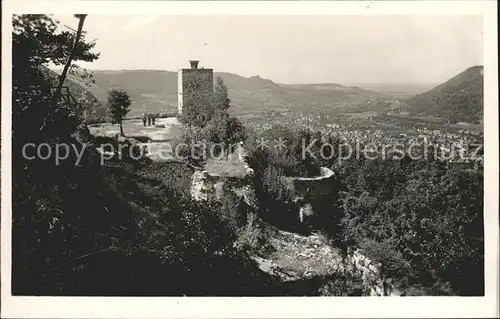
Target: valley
203	183
256	100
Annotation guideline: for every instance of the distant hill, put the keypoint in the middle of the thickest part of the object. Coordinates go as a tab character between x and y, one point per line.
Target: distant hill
156	91
460	99
235	81
76	89
396	90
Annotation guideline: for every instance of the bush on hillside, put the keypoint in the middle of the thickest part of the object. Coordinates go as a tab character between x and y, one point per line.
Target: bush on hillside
433	225
421	218
90	229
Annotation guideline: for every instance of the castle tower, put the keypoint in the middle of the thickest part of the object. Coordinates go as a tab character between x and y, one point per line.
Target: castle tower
194	83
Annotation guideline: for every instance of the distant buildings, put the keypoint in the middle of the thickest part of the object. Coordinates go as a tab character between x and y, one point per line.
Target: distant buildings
194	84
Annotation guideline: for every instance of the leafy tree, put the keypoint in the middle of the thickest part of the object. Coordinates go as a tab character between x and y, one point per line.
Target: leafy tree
392	263
43	209
36	43
118	106
197	108
221	98
67	65
91	106
210	117
235	131
226	129
91	229
428	215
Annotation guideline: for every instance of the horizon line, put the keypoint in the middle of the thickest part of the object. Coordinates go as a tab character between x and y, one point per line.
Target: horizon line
282	83
247	77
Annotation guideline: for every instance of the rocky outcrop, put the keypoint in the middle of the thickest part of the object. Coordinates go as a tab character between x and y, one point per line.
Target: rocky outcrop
217	179
296	258
242	156
311	186
201	188
360	266
207	186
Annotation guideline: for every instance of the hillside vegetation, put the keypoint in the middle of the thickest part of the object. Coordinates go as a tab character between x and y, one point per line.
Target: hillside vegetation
76	86
88	228
421	218
129	227
459	99
155	91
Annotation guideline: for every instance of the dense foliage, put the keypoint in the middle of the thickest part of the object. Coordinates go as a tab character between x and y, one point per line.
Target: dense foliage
210	124
118	106
78	82
430	213
272	162
423	220
197	104
44	223
82	228
121	228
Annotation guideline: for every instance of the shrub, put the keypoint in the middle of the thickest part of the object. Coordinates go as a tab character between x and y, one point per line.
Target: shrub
392	262
250	237
421	214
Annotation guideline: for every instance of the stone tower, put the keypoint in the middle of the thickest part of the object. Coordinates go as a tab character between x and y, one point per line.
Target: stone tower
194	83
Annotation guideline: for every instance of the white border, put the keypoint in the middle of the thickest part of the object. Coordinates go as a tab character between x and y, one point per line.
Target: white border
159	307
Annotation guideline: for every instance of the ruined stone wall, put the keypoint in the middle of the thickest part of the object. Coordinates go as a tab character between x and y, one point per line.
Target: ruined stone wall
304	190
206	186
324	184
201	186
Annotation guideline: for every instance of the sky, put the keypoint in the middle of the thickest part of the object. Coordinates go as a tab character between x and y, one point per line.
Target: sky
291	49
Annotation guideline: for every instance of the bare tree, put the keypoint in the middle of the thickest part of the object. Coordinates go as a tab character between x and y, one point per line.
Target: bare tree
64	73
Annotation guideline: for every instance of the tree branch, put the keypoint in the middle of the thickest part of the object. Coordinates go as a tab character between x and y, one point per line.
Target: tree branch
64	73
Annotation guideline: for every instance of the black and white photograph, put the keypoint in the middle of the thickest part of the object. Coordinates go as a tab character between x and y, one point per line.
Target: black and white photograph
240	154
